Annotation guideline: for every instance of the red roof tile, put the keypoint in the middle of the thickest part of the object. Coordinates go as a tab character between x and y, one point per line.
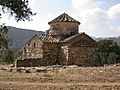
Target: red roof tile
63	18
48	39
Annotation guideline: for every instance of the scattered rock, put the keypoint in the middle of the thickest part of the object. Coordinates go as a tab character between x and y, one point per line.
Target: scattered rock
73	66
12	65
27	71
18	70
3	69
10	70
41	70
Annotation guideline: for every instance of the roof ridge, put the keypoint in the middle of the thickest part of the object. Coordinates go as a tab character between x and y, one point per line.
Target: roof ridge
63	18
80	36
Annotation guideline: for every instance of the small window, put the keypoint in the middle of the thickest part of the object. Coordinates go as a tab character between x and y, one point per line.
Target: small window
72	33
34	45
82	57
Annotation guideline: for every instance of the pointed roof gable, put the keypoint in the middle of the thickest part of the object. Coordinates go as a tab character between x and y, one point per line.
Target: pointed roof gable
81	39
63	18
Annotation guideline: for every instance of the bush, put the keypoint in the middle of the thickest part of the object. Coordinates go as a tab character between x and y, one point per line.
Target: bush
8	56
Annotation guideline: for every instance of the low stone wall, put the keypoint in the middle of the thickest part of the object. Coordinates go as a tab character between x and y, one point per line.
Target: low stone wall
30	63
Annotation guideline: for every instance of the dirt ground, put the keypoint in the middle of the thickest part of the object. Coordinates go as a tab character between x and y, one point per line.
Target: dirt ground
70	78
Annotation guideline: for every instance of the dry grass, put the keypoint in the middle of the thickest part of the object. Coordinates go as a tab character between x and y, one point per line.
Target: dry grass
81	78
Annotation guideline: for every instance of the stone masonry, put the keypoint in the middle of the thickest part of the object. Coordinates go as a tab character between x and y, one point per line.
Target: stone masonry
62	44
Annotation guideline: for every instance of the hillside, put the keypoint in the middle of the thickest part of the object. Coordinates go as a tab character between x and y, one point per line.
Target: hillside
116	39
20	36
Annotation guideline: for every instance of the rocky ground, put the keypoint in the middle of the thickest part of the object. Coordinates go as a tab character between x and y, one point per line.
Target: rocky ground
60	78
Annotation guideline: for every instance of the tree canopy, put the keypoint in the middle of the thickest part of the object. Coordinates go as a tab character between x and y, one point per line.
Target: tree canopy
17	8
3	38
108	52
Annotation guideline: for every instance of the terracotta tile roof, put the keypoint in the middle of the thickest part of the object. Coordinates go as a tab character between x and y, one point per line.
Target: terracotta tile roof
81	39
63	18
48	39
45	39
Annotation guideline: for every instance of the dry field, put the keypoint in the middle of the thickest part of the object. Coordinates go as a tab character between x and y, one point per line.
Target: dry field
69	78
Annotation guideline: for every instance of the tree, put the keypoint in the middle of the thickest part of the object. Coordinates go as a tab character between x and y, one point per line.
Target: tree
17	8
108	52
113	57
3	39
8	56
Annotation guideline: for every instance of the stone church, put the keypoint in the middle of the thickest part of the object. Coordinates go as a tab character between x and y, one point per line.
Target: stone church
62	44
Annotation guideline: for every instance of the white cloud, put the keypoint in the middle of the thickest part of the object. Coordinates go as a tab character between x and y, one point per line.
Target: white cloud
95	20
118	29
32	2
114	12
84	4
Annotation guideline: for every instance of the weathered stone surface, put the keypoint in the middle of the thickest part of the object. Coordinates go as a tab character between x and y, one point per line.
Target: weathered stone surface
51	53
63	28
81	56
30	63
34	48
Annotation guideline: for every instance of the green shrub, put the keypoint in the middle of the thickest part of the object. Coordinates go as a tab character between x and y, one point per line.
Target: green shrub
108	52
8	56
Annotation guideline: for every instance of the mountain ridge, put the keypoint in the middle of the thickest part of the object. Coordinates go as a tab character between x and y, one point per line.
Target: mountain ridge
20	36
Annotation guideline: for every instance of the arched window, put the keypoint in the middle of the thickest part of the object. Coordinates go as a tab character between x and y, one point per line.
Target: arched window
34	44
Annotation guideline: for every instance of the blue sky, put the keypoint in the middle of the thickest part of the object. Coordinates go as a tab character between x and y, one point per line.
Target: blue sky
99	18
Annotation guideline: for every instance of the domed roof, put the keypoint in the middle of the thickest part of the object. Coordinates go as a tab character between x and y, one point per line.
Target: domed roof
63	18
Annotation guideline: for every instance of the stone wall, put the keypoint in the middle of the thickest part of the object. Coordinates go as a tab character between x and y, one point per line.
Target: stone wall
64	55
30	63
34	48
65	28
51	53
78	55
82	55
